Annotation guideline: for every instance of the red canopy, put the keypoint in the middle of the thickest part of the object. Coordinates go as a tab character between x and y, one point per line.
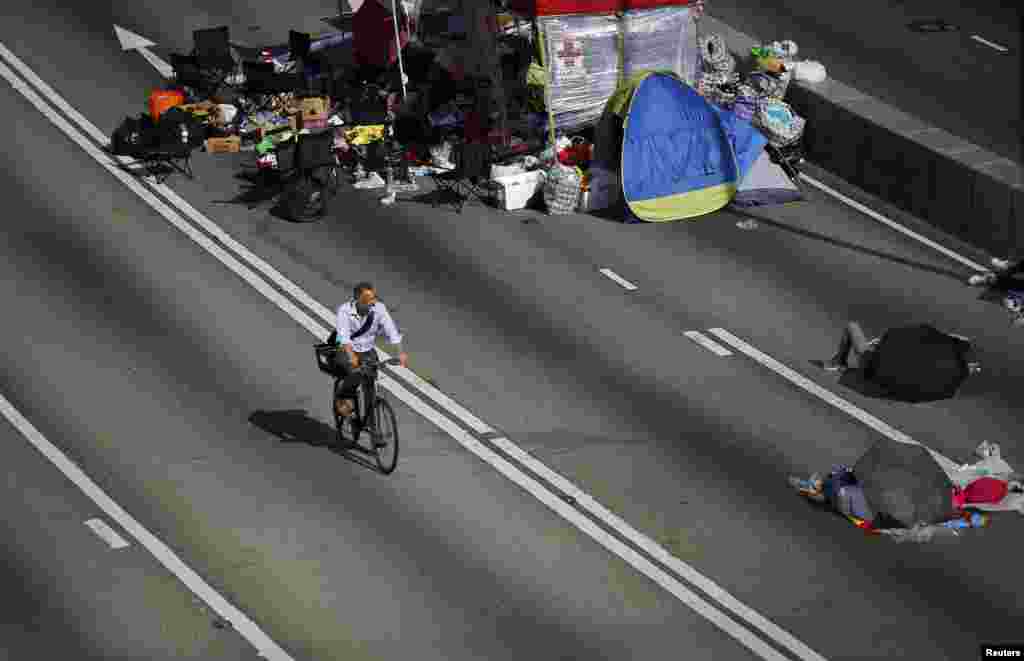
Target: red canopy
373	40
556	7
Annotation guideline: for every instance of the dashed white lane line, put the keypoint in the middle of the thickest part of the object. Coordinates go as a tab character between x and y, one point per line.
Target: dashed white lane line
107	534
266	648
615	277
988	43
813	388
707	343
755	638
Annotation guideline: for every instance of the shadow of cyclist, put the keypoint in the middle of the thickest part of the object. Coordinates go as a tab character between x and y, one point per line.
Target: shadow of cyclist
295	426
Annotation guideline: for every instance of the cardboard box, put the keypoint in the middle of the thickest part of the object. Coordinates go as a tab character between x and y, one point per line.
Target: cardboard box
314	106
313	121
228	145
203	107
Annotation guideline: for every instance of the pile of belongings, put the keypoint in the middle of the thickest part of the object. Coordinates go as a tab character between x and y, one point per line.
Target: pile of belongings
757	96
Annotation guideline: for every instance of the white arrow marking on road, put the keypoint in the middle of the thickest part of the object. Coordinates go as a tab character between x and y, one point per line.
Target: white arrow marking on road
131	41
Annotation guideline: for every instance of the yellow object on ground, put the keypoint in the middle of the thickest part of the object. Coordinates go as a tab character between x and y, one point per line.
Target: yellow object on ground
364	135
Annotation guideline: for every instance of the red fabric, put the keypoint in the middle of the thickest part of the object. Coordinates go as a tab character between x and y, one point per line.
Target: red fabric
556	7
986	490
473	128
373	41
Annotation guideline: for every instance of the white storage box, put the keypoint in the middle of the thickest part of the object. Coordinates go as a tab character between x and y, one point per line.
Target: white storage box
514	192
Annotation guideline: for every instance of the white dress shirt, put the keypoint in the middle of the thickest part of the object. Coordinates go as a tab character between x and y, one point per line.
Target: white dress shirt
349	322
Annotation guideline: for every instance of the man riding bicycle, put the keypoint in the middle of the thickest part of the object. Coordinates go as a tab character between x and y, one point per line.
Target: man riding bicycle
359	322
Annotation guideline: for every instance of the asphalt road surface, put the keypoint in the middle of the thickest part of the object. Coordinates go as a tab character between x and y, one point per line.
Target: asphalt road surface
195	403
948	80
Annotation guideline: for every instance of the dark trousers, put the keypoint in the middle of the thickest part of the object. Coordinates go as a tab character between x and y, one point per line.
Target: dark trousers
350	380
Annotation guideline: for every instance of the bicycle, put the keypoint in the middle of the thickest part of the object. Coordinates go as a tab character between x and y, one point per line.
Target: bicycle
373	412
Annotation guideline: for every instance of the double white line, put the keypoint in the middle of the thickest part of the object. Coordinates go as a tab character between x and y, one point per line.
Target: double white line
759	635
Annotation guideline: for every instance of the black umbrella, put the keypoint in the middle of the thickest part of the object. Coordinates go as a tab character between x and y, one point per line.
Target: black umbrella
919	363
904	484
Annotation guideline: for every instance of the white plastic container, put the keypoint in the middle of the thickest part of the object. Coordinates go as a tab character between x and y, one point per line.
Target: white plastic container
513	192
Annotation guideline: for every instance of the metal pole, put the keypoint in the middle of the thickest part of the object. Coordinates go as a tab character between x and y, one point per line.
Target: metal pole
398	46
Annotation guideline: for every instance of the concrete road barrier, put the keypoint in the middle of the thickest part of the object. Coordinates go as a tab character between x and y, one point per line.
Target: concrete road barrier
955	186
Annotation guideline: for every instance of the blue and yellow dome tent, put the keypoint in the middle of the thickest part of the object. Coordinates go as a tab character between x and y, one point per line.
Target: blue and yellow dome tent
677	153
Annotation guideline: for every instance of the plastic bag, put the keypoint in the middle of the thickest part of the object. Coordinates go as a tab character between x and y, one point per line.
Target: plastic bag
779	123
715	56
441	155
562	189
810	71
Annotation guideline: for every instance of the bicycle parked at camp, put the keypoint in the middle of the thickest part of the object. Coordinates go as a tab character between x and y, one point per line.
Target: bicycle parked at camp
373	412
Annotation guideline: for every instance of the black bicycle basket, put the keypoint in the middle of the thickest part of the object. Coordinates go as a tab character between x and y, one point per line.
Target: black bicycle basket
325	354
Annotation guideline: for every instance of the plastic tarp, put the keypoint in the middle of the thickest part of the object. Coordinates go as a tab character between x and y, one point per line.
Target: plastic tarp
582	61
586	56
677	160
766	184
566	7
663	38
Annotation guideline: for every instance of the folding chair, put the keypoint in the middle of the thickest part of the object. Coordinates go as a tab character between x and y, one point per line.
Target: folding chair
188	74
212	50
472	167
262	83
163	151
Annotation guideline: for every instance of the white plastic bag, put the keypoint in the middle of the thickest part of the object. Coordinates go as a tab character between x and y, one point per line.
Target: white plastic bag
810	71
562	189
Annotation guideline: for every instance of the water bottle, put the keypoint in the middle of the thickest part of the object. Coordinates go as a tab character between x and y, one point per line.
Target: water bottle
975	520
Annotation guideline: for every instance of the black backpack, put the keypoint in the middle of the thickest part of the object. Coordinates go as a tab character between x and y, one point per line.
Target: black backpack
133	136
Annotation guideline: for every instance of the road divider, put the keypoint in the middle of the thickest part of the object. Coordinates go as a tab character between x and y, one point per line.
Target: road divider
753	631
945	181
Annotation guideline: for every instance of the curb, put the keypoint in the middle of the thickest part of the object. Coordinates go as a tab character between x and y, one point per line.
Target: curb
948	184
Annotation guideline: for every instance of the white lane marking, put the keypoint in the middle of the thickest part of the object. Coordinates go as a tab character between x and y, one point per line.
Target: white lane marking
266	647
612	275
893	224
846	407
106	533
989	43
742	634
707	343
216	232
670	583
587	502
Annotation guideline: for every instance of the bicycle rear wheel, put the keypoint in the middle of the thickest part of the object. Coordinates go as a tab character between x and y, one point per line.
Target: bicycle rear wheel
387	431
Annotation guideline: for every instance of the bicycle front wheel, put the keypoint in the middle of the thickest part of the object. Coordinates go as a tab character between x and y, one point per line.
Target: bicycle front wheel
387	433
